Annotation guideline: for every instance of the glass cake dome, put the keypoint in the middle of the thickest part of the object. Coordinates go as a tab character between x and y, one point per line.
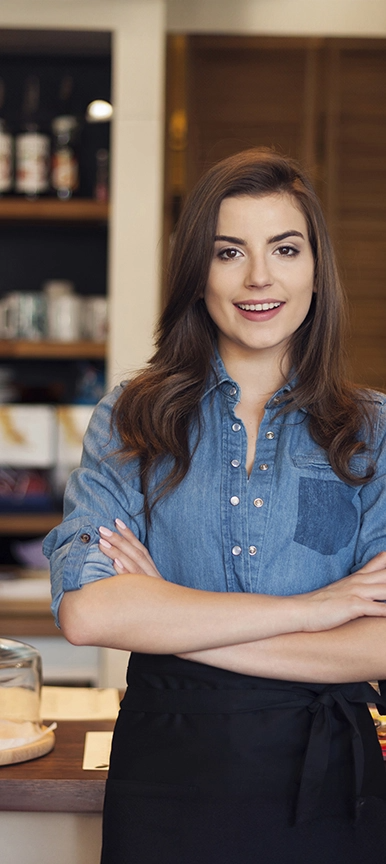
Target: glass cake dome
20	682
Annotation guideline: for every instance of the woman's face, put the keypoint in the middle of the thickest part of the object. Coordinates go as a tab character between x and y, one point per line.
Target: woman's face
261	277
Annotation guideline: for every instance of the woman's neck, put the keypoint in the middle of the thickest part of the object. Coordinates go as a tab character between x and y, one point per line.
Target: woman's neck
258	376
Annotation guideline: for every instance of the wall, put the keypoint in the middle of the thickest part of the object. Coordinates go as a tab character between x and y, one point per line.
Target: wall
279	17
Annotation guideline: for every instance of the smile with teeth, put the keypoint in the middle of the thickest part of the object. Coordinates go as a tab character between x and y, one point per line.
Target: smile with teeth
257	307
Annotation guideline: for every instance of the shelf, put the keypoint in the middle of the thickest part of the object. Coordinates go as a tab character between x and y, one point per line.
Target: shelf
50	209
23	615
32	620
28	523
24	348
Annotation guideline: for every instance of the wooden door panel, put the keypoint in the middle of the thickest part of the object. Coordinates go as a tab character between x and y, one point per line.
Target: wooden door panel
322	101
245	93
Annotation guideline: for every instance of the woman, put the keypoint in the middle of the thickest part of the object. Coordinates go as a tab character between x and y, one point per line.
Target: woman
236	483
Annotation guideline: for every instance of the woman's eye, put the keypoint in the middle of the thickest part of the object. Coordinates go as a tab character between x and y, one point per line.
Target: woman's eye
229	254
287	251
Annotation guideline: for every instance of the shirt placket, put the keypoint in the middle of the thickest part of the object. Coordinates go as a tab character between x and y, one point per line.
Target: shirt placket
260	492
245	502
233	493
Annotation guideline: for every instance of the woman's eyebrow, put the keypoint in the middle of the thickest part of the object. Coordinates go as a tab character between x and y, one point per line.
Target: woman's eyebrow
276	239
283	236
227	239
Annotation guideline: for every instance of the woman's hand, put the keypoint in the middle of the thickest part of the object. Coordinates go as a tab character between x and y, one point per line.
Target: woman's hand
363	594
128	554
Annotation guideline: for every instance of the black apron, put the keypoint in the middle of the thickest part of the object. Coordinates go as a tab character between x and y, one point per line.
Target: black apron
212	767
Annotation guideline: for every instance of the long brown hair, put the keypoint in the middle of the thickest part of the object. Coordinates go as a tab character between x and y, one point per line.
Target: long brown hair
156	409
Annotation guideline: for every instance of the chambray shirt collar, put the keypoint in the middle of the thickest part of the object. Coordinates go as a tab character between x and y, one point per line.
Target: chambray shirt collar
220	379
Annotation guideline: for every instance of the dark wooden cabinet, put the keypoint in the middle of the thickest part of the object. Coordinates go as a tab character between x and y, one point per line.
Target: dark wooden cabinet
322	101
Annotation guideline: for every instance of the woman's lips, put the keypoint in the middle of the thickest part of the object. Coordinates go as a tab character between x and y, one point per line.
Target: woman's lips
262	311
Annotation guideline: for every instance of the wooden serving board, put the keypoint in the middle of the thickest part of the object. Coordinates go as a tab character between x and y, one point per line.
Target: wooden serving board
28	751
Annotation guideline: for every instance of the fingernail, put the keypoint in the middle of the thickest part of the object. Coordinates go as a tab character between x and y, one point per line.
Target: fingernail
105	543
120	524
118	563
105	532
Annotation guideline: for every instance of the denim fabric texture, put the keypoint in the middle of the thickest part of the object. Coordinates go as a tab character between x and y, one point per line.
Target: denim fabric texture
290	527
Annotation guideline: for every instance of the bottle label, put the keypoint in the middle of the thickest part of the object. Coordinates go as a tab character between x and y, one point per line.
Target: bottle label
32	163
65	172
5	162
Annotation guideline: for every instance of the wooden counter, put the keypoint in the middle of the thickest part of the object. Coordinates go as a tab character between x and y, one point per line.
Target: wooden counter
57	782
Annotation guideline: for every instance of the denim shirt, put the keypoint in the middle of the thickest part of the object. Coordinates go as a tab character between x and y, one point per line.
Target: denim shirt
290	527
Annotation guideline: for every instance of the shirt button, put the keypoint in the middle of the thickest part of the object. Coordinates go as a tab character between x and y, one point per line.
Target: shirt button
236	427
236	550
232	391
235	463
85	538
234	500
270	435
252	550
263	466
258	502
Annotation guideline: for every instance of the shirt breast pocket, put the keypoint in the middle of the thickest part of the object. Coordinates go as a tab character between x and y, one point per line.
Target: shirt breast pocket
327	517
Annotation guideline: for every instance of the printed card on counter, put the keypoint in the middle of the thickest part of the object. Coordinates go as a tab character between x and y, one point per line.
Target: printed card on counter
79	703
97	748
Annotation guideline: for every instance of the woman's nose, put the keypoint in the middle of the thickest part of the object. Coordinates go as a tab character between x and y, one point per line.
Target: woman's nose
258	274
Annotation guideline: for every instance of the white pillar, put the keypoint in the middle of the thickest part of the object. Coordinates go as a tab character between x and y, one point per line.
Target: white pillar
138	75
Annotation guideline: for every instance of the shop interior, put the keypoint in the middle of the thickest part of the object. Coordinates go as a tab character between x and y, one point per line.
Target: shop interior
85	227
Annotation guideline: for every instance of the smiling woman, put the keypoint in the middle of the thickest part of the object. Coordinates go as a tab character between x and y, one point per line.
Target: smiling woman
227	526
258	293
264	277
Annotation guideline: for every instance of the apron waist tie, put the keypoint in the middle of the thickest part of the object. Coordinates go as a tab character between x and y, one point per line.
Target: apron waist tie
318	747
285	695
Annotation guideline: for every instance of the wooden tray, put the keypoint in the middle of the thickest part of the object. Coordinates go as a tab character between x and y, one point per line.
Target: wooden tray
28	751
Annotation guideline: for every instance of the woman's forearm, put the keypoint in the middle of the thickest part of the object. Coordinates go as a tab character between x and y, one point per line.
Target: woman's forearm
137	613
355	651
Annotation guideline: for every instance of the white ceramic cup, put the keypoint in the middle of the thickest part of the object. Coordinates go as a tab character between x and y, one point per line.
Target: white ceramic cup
64	317
94	315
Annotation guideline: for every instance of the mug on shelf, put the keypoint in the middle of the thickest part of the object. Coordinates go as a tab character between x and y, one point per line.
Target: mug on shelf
64	320
94	318
63	312
23	315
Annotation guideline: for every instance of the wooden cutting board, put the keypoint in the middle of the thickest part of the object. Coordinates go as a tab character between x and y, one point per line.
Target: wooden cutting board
28	751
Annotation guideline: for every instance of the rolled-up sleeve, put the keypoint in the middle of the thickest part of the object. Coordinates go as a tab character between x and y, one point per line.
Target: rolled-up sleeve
103	489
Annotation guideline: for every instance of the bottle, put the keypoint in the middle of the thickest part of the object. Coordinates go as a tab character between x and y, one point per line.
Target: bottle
65	162
6	148
101	189
65	142
32	146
